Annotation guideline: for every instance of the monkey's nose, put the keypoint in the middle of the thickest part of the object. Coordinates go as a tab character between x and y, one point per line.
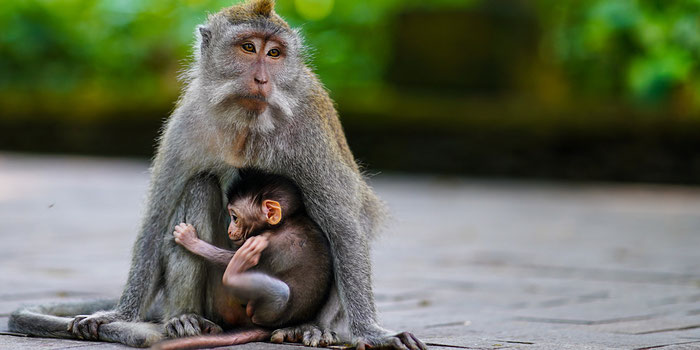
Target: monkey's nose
260	80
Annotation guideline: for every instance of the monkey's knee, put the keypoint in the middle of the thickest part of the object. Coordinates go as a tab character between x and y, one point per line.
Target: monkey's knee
268	295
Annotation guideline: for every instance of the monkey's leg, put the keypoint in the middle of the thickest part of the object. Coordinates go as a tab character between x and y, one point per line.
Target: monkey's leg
268	295
55	321
330	329
52	320
186	275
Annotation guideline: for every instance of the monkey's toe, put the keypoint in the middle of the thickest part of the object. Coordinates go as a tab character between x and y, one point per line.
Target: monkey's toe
209	327
329	338
188	325
289	334
312	337
308	334
401	341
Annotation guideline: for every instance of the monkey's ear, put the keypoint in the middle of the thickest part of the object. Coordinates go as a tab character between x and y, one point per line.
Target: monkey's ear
273	211
205	36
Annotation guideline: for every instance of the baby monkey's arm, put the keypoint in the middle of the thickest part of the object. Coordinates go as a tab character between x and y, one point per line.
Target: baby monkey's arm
186	236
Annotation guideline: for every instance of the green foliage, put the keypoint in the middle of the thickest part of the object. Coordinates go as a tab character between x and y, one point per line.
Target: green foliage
646	49
90	57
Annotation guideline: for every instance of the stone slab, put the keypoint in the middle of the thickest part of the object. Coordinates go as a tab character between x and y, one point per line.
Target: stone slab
464	264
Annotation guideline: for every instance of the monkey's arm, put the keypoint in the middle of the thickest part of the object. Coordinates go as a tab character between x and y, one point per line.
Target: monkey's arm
186	236
213	254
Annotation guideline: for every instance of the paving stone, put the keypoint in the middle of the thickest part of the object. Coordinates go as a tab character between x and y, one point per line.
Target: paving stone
465	263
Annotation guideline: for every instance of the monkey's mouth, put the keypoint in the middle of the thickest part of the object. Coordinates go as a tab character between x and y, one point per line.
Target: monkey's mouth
253	102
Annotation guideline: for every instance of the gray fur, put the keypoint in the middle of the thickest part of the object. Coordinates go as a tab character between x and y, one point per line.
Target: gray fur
298	136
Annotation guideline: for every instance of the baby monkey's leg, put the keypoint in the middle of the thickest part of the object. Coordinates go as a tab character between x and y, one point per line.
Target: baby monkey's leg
267	297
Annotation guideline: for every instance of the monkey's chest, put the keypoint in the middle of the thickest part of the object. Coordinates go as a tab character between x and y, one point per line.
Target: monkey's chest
234	152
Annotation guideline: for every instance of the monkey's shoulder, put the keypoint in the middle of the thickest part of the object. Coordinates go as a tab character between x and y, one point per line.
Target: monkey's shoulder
300	232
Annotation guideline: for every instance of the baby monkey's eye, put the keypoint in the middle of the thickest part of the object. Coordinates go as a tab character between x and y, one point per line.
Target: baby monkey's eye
248	47
274	53
234	218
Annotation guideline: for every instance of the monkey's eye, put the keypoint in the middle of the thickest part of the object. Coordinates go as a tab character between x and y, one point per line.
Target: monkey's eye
274	53
248	47
234	218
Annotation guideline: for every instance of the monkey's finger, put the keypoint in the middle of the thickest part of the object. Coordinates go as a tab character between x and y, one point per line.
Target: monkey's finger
247	251
179	328
312	337
246	244
175	328
361	345
329	338
93	326
195	323
259	247
408	341
420	344
277	336
212	328
73	326
306	338
188	325
254	243
396	344
293	335
84	327
170	330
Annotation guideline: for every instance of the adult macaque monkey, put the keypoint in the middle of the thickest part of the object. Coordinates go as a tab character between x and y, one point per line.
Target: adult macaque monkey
250	101
279	276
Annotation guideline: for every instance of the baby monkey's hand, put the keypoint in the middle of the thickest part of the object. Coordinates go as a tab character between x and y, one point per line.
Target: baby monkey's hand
185	235
248	254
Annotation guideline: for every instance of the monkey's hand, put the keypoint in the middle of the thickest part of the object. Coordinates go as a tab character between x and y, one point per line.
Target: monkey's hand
382	339
86	326
185	235
247	255
308	334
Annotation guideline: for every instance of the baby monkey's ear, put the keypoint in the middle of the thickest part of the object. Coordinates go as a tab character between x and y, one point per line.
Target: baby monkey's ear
273	211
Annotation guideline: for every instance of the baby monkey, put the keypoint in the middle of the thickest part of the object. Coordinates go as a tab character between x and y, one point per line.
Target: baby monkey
281	271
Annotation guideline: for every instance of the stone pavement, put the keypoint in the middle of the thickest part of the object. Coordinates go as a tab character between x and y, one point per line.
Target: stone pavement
469	264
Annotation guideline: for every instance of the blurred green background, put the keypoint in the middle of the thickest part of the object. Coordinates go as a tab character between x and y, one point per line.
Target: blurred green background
583	90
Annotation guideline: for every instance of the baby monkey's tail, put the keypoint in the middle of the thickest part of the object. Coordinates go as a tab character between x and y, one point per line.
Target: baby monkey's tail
212	341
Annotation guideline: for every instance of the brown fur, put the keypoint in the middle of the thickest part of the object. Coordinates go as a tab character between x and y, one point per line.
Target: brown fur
252	10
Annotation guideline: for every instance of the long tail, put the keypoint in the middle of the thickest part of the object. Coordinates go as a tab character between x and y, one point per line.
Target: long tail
212	341
52	320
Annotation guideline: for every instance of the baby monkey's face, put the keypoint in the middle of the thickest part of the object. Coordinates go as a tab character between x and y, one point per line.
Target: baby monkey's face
250	219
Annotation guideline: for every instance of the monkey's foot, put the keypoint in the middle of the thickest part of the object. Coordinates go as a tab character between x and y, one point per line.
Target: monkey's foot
308	334
187	325
401	341
86	326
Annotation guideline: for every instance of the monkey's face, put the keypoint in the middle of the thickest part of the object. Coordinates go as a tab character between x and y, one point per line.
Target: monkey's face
249	219
250	68
263	59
